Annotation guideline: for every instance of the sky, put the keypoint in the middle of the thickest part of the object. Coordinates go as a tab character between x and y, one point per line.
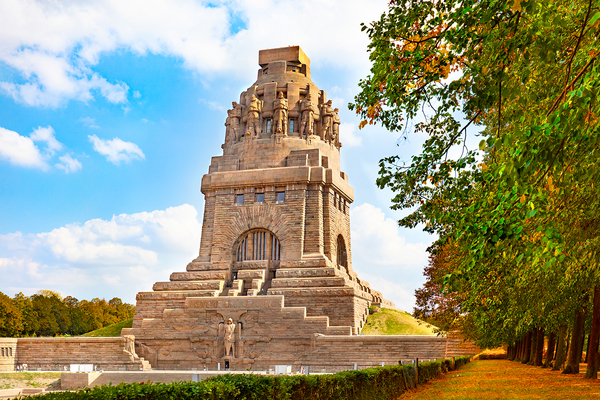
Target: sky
111	110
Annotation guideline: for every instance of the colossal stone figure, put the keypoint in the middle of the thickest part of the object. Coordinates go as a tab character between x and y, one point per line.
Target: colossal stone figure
230	136
309	109
235	116
229	337
253	117
280	114
326	118
335	139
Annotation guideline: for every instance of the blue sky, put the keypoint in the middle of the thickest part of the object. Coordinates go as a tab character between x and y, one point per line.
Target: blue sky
110	112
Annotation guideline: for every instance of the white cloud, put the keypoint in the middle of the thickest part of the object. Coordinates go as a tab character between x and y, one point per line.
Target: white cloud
348	137
89	122
68	164
137	94
127	253
378	250
20	150
213	105
117	150
56	45
46	135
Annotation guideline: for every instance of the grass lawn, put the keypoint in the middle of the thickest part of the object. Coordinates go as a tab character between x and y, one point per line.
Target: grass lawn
503	379
393	322
113	330
29	380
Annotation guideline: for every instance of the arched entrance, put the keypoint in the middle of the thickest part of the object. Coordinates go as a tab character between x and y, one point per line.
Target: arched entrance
255	260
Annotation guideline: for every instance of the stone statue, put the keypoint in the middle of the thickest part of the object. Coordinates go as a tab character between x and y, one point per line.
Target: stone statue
326	118
229	336
308	109
335	137
235	116
280	112
130	347
229	130
253	117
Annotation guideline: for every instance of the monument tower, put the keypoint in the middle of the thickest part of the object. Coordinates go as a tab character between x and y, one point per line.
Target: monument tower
275	263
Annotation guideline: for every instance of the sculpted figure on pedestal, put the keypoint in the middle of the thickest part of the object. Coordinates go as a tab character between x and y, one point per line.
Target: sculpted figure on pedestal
229	336
308	109
280	113
253	117
335	137
327	119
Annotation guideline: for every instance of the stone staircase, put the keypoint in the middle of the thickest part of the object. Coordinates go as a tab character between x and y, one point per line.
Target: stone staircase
314	283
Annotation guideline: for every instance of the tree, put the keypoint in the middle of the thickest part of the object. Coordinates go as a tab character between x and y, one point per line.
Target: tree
11	323
523	210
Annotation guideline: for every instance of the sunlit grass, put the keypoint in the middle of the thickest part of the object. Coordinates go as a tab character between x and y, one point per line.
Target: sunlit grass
502	379
393	322
113	330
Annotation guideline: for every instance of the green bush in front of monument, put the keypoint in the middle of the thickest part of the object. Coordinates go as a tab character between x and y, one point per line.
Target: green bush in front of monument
379	383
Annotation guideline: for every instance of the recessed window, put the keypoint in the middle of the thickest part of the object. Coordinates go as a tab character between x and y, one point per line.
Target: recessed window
269	125
291	124
239	199
280	196
260	197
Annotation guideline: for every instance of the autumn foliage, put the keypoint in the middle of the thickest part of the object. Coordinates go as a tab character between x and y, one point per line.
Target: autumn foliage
46	313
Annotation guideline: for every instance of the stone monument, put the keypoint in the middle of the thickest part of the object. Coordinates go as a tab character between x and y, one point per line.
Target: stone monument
273	283
275	265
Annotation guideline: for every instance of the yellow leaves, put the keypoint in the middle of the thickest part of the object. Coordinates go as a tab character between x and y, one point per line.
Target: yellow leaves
523	199
362	124
516	7
550	184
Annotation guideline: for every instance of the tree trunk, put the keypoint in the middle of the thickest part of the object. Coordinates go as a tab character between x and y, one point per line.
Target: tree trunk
593	358
576	343
526	349
534	342
539	351
561	348
550	351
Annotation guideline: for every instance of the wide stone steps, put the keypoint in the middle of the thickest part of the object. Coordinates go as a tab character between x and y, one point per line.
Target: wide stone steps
307	272
203	266
307	282
198	275
208	286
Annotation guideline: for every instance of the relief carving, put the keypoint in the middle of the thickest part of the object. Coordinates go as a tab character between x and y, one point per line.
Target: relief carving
129	347
229	337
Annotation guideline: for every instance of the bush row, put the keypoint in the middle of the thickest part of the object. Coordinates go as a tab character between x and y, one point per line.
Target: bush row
381	383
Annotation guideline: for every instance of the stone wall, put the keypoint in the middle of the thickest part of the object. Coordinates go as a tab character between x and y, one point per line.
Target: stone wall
54	354
8	352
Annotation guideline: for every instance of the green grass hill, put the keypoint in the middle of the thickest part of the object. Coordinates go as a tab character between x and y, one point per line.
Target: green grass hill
110	330
385	321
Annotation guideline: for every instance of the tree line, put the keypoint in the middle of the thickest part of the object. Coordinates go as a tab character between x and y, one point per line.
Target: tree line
46	313
517	259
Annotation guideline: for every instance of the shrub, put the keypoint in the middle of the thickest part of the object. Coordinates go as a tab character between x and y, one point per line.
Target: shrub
381	383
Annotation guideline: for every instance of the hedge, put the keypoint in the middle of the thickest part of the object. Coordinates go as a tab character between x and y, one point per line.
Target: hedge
381	383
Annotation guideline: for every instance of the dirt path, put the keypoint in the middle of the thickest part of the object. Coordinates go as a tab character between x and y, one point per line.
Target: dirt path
503	379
